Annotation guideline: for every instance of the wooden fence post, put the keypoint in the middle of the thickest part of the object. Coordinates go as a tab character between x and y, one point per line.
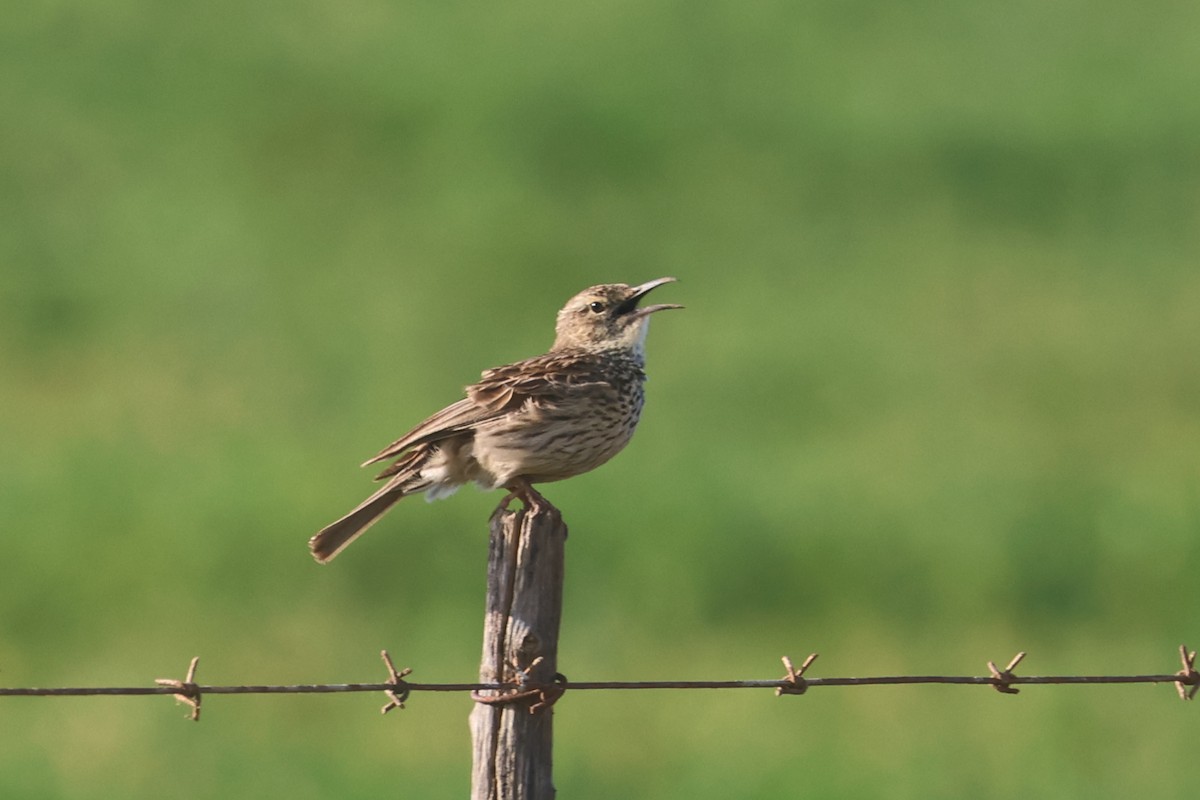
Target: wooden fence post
513	740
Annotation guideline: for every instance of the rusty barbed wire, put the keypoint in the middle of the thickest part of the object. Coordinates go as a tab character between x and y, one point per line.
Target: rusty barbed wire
397	689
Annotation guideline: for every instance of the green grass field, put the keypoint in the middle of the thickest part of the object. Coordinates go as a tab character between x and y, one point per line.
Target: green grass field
935	397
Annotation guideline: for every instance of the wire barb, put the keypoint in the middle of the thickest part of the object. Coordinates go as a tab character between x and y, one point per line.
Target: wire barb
189	692
1004	678
398	690
543	696
794	682
1188	676
523	673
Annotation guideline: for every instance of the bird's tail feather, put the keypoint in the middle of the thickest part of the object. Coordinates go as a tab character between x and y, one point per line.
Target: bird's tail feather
334	538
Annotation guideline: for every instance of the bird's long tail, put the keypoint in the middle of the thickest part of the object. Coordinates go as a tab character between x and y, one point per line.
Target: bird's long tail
336	536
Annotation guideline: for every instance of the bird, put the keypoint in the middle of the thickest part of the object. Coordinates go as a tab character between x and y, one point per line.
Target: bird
543	419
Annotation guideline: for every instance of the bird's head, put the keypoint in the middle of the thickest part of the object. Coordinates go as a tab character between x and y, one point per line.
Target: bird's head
608	317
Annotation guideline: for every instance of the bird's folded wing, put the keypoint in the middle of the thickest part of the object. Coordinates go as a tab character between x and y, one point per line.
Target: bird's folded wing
498	392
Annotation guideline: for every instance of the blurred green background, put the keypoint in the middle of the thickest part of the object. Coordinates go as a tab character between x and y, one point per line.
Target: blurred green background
935	397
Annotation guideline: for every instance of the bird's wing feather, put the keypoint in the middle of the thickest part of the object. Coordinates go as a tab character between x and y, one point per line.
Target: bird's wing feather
451	420
499	391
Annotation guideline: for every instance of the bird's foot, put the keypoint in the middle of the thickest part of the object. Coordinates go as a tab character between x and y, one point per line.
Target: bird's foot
522	490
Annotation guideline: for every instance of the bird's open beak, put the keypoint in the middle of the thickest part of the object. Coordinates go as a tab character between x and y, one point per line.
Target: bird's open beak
641	291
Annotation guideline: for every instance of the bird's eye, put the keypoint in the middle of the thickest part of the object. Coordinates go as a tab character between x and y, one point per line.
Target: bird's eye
596	306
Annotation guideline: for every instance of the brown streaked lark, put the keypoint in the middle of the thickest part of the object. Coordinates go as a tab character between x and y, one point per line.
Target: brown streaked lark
543	419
